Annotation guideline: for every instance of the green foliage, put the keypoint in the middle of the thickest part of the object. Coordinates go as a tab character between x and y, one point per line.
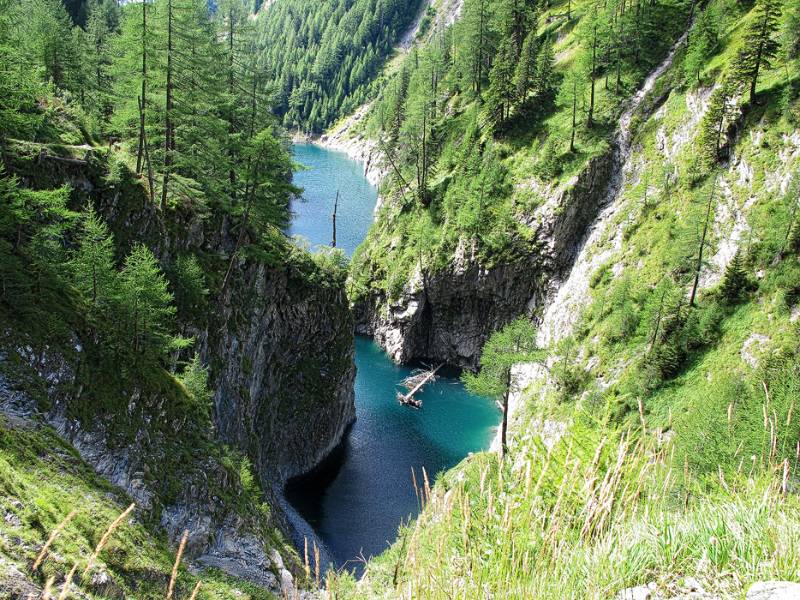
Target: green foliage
515	343
703	42
92	267
735	281
713	136
759	46
323	57
195	379
740	425
147	304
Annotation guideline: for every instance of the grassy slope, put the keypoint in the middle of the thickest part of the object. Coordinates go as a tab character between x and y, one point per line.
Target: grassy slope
516	154
689	482
42	479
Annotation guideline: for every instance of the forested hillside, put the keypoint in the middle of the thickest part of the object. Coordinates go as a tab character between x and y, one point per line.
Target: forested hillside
323	57
144	190
634	169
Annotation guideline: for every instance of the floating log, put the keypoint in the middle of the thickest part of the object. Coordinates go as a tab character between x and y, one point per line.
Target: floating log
414	383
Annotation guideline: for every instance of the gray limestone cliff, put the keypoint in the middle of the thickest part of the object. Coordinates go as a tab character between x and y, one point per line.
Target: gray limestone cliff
279	346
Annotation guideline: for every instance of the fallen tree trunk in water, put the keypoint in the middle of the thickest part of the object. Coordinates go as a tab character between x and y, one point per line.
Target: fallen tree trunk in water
414	383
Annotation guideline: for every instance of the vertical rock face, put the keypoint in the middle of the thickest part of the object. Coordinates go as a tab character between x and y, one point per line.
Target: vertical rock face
280	350
282	358
448	315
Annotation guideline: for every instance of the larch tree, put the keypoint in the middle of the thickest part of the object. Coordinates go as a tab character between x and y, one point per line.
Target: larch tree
759	46
512	345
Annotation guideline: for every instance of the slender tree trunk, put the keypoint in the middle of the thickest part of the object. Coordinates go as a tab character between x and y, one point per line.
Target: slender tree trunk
169	133
699	265
574	115
143	99
759	54
504	424
231	90
654	338
335	208
590	120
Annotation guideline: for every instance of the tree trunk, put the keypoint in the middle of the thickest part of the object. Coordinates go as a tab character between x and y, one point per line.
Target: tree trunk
590	120
169	133
143	99
504	424
699	265
574	115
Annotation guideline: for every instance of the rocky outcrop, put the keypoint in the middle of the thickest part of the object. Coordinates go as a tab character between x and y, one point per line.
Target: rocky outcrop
220	535
448	315
283	370
279	346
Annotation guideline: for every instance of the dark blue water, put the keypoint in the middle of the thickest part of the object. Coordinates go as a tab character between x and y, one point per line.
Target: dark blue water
328	172
357	499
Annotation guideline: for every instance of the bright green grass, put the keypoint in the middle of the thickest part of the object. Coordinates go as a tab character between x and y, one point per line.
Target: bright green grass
42	480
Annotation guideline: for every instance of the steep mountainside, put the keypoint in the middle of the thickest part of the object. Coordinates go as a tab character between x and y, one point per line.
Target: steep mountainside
324	57
653	443
154	316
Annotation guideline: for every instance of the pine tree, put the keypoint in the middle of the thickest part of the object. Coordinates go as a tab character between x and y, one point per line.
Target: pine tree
546	77
92	265
476	42
710	205
514	344
500	95
759	47
712	127
525	74
102	21
735	280
703	41
136	83
572	93
147	306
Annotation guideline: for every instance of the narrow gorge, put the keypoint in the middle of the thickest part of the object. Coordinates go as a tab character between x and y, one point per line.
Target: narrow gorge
436	299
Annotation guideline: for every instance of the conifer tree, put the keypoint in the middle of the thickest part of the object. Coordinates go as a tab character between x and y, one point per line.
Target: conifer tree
735	280
714	122
546	78
147	305
703	40
526	72
500	95
92	264
514	344
759	46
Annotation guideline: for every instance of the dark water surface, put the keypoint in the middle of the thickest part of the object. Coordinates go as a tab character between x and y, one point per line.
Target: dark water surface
357	499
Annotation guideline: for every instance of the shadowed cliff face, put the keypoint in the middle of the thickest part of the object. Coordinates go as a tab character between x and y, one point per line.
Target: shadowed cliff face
282	354
448	315
279	349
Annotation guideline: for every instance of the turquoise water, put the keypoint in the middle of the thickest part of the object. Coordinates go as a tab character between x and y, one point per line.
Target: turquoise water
356	500
328	172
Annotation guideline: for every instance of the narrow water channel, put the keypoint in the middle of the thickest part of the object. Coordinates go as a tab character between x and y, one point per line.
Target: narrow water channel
357	499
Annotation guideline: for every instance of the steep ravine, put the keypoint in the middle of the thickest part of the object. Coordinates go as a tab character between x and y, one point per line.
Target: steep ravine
280	355
448	315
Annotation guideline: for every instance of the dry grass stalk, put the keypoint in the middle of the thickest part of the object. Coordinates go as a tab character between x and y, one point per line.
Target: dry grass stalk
174	577
785	482
305	557
106	537
427	486
53	535
196	590
316	563
67	583
48	588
